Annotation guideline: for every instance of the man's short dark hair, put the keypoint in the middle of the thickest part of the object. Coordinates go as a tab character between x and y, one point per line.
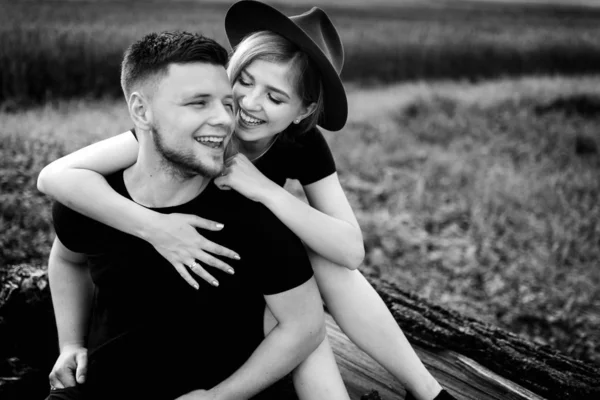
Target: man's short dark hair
151	56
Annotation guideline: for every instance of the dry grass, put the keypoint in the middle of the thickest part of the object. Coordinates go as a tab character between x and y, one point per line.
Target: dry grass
476	197
471	195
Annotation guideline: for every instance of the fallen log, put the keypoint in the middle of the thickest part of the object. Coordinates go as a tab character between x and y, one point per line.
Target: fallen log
538	368
471	359
28	341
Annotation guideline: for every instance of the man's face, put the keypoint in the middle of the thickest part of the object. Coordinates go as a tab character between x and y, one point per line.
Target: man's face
192	115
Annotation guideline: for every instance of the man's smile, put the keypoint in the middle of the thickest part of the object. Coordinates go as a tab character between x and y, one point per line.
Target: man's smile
214	142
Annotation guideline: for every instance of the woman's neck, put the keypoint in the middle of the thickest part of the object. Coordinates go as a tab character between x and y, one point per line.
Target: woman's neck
254	149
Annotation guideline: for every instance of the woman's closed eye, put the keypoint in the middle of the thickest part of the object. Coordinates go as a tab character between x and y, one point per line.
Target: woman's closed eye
244	82
274	100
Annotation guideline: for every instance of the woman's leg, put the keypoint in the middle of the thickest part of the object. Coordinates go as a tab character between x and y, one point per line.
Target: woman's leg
317	377
364	318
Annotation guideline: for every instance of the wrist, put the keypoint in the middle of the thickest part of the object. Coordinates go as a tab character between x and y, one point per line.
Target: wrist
148	229
72	345
272	195
144	232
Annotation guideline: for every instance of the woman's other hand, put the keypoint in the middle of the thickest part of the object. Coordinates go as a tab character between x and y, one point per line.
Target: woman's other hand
243	177
175	237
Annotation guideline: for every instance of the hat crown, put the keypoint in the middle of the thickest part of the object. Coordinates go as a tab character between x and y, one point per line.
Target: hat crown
319	28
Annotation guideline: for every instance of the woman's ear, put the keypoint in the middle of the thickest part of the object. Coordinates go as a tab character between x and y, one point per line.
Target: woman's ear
139	111
306	111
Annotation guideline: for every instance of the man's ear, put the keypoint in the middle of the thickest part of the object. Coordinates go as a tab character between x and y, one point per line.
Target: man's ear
139	110
307	111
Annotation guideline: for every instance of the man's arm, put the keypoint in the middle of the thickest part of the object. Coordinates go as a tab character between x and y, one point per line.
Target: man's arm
72	290
300	330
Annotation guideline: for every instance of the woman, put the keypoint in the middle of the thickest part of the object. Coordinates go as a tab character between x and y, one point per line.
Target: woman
285	82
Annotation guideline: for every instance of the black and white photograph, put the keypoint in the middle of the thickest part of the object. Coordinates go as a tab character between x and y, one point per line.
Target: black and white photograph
300	199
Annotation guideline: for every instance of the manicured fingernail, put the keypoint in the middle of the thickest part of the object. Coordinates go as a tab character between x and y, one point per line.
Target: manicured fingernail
219	226
235	256
230	271
196	286
215	283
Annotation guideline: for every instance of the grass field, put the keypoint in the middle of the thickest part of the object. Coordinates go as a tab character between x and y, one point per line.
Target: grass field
476	196
72	48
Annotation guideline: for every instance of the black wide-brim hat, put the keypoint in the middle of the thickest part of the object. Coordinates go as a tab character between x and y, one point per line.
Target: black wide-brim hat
314	33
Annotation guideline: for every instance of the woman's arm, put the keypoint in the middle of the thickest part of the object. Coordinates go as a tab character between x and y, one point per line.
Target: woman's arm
63	179
328	225
78	177
104	158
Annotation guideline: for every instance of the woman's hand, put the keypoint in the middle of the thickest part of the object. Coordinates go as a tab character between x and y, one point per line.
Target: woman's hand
243	177
175	237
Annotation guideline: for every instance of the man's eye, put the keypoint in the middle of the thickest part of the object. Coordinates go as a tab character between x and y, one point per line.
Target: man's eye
201	103
229	105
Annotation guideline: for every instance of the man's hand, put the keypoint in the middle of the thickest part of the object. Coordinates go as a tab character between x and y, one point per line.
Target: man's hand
70	367
199	394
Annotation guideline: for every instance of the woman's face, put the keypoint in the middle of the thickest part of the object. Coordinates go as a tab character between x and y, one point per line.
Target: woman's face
266	100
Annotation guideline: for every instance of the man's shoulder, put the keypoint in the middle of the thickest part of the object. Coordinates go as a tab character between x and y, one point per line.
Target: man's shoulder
250	213
80	233
276	256
251	219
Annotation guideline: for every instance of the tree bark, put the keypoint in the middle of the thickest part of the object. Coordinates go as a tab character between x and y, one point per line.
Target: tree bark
539	368
463	353
28	339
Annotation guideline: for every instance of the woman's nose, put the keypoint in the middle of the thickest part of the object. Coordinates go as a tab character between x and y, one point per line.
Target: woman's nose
251	100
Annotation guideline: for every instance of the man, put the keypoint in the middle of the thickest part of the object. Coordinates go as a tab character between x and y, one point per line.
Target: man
129	327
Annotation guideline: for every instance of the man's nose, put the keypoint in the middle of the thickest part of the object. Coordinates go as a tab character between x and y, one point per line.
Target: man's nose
223	116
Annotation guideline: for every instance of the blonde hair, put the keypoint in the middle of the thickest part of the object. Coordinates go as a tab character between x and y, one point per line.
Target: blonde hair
271	47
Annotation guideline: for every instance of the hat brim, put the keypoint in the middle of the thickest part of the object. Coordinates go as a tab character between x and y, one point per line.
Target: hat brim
246	17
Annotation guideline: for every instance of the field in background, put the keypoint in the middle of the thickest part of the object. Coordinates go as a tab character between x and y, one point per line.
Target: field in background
484	198
63	49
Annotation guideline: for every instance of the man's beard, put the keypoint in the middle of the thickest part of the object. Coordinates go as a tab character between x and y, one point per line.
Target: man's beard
184	164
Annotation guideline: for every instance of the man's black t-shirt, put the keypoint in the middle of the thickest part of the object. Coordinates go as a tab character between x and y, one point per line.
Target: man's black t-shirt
149	328
306	158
